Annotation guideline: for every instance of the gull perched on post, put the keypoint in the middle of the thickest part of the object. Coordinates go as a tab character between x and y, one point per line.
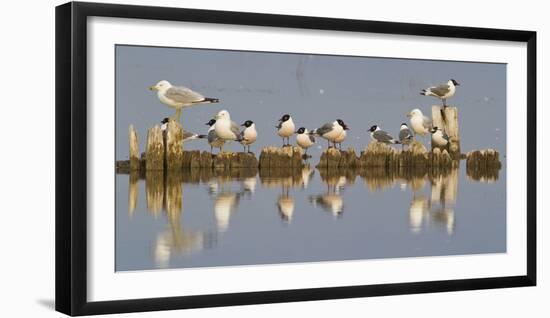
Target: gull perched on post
330	131
381	136
179	97
420	124
442	92
405	135
212	138
225	128
439	137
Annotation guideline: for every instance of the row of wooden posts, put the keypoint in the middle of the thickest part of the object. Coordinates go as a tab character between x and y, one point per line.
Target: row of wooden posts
164	151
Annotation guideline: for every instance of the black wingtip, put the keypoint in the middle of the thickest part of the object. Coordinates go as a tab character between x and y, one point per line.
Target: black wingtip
202	136
211	100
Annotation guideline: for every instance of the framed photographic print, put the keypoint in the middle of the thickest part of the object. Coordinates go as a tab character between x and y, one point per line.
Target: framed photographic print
210	158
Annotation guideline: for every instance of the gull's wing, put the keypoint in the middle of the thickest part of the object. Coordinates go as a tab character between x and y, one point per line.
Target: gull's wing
235	129
324	129
405	134
427	122
279	125
311	138
182	94
440	90
212	136
445	136
187	135
382	136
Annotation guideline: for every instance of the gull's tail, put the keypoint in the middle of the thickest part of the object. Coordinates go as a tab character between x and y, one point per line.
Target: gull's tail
211	100
202	136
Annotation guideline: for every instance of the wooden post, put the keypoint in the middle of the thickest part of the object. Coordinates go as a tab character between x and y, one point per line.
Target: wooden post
134	148
446	118
174	146
154	149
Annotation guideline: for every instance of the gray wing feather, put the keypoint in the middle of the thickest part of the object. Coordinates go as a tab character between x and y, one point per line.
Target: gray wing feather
427	122
311	138
382	136
212	136
324	129
187	135
405	134
183	95
440	90
445	136
235	129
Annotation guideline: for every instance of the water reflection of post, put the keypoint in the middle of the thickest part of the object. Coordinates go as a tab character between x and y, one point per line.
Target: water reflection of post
133	191
154	191
175	240
444	191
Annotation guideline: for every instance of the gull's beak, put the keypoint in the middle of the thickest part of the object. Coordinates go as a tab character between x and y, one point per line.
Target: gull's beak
153	88
347	128
242	125
457	84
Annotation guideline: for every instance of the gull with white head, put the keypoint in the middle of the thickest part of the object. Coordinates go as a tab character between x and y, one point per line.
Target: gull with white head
179	97
420	124
225	128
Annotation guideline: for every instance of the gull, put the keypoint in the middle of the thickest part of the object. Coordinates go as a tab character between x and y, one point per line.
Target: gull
439	137
285	128
304	139
187	135
212	137
225	128
330	131
420	124
179	97
342	137
442	92
249	134
381	136
405	135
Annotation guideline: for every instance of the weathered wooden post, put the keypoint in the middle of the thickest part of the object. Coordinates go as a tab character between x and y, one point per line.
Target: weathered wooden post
173	146
154	149
134	148
446	118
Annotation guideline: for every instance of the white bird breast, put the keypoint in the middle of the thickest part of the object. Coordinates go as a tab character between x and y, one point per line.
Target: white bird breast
250	135
334	133
342	137
438	140
287	128
304	141
223	129
417	124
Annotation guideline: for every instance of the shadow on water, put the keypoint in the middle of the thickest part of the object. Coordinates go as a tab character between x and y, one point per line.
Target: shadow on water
432	203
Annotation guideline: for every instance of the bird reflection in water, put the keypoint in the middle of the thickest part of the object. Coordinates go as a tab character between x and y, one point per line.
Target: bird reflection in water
440	207
331	201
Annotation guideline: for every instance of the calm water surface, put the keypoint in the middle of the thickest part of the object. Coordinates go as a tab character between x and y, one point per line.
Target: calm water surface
203	218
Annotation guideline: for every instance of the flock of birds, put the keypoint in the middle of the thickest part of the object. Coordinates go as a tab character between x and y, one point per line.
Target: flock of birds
222	129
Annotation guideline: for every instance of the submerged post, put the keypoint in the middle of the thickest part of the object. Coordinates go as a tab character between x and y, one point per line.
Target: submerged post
134	148
446	118
154	149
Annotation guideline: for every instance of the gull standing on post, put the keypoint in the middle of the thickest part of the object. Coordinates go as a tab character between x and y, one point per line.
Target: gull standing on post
304	139
225	128
249	134
405	135
330	131
212	138
382	136
442	92
439	137
285	128
338	141
420	124
179	97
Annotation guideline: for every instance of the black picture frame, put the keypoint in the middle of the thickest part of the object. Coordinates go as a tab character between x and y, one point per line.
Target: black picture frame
71	157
